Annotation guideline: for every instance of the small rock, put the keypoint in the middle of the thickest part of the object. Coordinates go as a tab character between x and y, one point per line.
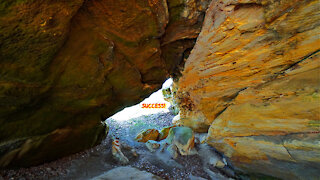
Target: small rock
149	134
176	119
152	145
173	151
134	152
117	153
219	164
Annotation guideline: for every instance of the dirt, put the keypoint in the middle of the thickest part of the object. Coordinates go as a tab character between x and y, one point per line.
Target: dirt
97	160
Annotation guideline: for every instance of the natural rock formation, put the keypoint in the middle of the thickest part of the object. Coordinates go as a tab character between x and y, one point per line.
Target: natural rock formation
66	66
181	139
126	172
152	145
253	78
165	132
146	135
117	154
168	95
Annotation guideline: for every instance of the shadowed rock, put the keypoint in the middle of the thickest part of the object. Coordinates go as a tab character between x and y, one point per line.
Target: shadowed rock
66	66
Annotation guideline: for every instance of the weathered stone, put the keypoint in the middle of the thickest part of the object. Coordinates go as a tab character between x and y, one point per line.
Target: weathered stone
164	132
227	60
275	122
253	78
185	21
168	94
219	164
181	139
66	66
146	135
152	145
210	157
126	172
176	119
117	153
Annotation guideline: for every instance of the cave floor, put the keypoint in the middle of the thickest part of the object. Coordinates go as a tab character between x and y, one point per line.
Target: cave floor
97	160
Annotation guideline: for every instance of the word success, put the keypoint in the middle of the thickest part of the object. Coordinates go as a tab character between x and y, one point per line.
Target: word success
154	105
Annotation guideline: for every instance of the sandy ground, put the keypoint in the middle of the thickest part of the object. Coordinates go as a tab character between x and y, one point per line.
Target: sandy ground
97	160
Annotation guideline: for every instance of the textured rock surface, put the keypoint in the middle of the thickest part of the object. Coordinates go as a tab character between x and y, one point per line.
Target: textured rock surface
66	66
117	154
164	132
146	135
152	145
127	172
253	78
181	139
168	95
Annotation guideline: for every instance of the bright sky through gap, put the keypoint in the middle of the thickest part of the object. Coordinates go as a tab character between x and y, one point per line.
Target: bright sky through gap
136	110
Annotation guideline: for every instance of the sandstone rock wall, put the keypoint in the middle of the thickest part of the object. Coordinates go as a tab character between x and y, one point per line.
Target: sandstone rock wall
67	65
252	81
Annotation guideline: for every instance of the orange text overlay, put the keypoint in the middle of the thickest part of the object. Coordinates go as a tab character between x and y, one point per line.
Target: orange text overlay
154	105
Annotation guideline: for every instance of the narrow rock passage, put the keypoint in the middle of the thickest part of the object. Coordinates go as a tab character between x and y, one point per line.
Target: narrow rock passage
98	160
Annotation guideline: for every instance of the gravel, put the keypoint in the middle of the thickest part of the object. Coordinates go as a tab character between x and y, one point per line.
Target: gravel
98	160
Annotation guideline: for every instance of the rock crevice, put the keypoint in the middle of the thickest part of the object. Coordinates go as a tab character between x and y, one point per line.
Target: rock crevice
65	66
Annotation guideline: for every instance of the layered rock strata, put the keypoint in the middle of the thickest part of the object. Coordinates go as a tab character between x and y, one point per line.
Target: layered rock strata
253	81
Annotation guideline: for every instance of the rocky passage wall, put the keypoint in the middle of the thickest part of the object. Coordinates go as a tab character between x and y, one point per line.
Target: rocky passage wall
67	65
252	81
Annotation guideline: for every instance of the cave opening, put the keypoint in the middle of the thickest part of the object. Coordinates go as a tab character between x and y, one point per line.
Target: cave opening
142	108
140	137
151	113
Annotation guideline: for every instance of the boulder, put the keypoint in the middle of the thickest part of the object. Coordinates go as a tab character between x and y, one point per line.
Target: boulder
146	135
181	139
164	132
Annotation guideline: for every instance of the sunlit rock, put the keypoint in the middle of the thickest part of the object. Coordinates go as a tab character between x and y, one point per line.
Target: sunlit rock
252	81
146	135
168	94
176	119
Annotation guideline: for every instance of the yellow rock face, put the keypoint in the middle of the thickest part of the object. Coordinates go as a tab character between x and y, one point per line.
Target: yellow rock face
276	121
254	79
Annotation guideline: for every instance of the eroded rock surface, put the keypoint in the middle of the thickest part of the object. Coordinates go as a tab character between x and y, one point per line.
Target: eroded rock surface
181	139
126	172
148	134
253	78
66	66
